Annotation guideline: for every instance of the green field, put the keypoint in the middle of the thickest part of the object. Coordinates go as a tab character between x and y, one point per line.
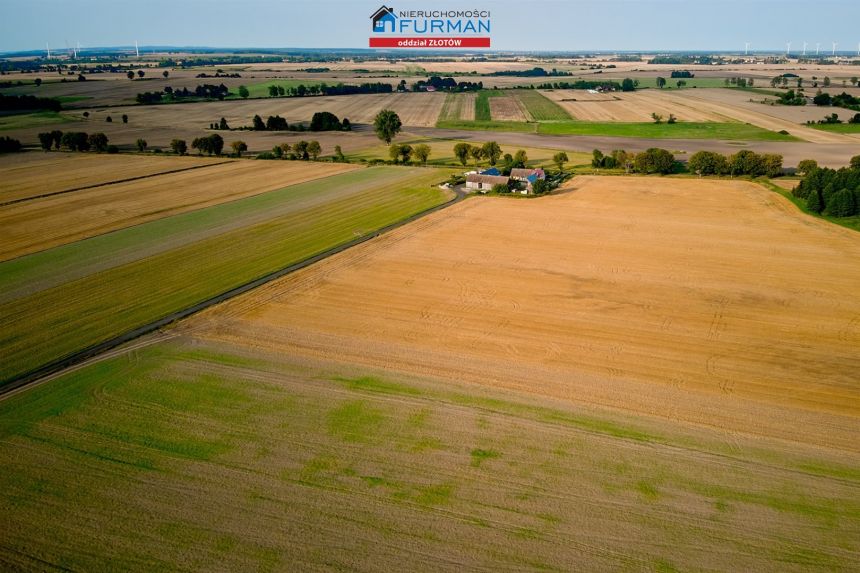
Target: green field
261	89
540	107
191	455
680	130
489	125
837	127
62	300
36	119
482	103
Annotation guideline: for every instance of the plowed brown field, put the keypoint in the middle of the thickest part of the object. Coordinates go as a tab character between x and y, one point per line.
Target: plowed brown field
707	302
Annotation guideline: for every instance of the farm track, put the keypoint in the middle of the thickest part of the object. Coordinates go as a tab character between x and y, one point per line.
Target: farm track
36	376
108	183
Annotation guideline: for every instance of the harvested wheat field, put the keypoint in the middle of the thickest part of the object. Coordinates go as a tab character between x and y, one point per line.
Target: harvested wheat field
458	106
40	224
635	106
711	303
29	174
506	107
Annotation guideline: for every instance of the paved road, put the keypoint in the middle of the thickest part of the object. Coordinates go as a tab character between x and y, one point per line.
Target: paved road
831	155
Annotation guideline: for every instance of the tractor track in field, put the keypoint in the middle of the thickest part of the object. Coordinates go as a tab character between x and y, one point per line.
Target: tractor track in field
108	183
18	384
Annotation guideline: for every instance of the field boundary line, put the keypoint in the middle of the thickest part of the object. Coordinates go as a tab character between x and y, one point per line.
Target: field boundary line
52	369
107	183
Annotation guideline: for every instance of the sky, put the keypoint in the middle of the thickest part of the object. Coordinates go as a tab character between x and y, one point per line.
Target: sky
521	25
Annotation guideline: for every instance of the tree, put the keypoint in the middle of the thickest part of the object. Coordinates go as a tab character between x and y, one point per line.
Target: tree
662	82
57	136
476	153
540	187
627	85
657	117
491	151
422	152
500	189
394	151
772	164
86	115
520	159
239	147
842	204
707	163
258	123
806	165
130	75
300	148
654	160
98	141
822	98
597	158
314	149
559	159
125	118
38	81
345	125
325	121
223	124
826	81
243	92
165	74
681	83
854	163
461	152
141	145
273	91
386	125
109	119
813	202
338	154
672	118
178	146
285	149
46	140
140	74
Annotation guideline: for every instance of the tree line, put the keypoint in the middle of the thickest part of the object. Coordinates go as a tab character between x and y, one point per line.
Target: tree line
76	141
652	160
28	102
834	192
744	162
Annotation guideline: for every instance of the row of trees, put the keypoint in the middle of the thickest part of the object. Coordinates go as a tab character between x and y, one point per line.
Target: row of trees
404	152
744	162
834	192
303	150
28	102
9	145
652	160
74	141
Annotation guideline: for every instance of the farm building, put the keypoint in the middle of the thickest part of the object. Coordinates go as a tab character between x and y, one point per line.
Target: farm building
483	182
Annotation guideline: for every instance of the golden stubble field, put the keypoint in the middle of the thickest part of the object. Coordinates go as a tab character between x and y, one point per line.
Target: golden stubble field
711	303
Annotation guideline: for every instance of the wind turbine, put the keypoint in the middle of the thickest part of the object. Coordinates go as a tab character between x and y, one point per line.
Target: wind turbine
787	48
834	48
804	48
48	46
746	48
136	51
817	47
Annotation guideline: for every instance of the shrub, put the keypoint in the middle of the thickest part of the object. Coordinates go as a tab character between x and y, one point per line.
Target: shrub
9	145
654	160
113	149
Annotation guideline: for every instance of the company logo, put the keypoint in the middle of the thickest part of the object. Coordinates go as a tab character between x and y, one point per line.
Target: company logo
429	28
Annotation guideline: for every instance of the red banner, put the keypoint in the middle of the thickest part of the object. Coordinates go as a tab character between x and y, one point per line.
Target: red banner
451	42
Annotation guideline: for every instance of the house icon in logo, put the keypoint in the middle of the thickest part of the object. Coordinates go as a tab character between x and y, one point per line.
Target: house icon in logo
383	16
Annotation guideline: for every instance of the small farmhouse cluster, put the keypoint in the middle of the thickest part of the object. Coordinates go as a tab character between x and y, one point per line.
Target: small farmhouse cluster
519	181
